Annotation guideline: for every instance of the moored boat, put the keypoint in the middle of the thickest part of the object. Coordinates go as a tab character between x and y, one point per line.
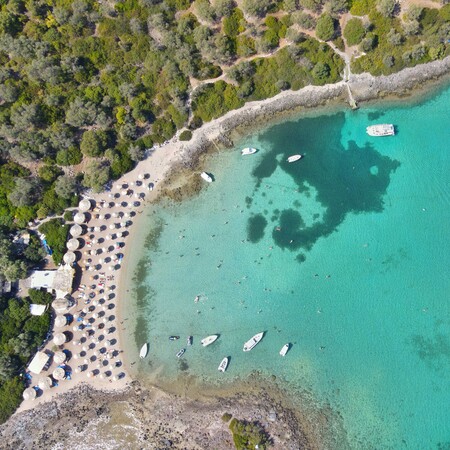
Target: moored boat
174	338
181	353
382	129
223	365
209	340
294	158
285	349
189	340
248	151
251	343
206	177
144	351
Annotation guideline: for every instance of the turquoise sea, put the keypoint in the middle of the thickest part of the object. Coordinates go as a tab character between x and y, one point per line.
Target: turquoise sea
344	254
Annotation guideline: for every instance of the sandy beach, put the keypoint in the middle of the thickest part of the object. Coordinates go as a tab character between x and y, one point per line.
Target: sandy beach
99	295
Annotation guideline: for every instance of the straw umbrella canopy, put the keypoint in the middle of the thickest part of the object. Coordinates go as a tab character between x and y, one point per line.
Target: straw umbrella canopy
59	338
60	321
45	383
69	257
76	230
59	373
79	218
112	226
29	394
60	305
59	357
73	244
141	176
76	356
85	205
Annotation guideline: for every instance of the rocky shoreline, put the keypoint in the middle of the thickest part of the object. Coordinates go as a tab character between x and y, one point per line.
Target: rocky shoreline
148	418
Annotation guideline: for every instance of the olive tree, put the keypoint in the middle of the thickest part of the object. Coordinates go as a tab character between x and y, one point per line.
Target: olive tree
27	191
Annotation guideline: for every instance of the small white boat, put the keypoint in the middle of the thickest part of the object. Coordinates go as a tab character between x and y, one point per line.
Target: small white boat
209	340
248	151
294	158
250	344
285	349
181	353
189	340
223	365
206	177
383	129
144	351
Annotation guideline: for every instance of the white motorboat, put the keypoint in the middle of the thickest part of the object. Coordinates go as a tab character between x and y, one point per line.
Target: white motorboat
294	158
223	365
285	349
189	340
181	353
248	151
250	344
144	351
383	129
209	340
206	177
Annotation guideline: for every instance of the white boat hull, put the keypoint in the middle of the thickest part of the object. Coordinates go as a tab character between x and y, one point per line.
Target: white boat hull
284	349
383	129
206	177
209	340
144	351
294	158
248	151
251	343
223	365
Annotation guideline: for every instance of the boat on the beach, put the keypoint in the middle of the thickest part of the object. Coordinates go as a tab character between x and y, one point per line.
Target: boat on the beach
181	353
251	343
209	340
144	351
206	177
223	365
294	158
248	151
285	349
383	129
189	340
174	338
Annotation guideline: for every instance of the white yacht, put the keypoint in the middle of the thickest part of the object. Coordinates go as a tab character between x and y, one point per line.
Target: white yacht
285	349
294	158
253	341
223	365
383	129
209	340
248	151
206	177
181	353
144	351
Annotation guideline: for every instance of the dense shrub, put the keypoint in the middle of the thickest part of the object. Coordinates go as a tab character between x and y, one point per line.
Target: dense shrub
56	233
325	27
354	31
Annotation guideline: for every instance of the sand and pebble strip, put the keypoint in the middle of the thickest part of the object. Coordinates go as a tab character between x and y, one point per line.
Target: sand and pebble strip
164	164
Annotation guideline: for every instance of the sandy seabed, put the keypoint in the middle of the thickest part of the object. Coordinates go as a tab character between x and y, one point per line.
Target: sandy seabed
87	415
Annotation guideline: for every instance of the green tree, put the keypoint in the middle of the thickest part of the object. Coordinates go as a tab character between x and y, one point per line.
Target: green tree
386	7
27	191
96	175
66	186
354	31
93	143
325	27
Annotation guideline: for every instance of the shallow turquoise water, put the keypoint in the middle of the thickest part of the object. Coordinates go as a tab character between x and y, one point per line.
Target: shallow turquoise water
345	254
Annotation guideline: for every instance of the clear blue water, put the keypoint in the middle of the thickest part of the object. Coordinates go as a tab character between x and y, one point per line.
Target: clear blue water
344	254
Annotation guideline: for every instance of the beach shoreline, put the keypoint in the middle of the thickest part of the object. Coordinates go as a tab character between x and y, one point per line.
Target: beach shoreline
172	164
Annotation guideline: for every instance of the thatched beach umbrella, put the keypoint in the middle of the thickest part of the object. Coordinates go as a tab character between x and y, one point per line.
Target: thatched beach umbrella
76	230
79	218
59	338
73	244
60	305
69	257
59	373
59	357
60	321
29	394
85	205
45	383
